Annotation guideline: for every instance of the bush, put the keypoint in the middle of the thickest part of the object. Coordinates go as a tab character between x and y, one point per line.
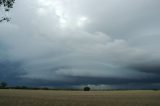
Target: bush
86	89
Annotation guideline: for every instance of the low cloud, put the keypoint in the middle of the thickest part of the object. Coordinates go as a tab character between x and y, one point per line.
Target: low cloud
48	45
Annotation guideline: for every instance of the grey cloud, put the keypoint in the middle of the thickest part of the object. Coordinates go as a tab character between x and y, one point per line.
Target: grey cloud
109	49
123	18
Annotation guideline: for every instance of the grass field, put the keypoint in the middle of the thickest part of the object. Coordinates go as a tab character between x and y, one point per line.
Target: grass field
78	98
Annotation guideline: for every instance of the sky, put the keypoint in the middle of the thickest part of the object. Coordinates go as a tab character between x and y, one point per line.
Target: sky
104	44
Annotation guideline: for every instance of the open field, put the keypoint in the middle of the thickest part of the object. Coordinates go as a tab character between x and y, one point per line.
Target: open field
78	98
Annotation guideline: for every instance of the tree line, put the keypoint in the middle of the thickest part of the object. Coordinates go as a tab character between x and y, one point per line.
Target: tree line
4	85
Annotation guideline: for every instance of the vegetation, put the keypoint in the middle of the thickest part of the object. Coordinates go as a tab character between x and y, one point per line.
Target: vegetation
78	98
7	5
86	89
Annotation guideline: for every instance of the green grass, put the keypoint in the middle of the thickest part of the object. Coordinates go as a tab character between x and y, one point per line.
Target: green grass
79	98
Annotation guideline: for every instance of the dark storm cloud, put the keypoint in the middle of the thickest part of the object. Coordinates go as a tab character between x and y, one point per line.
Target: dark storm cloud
149	68
79	42
11	72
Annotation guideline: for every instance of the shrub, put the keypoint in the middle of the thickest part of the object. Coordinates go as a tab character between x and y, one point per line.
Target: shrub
86	89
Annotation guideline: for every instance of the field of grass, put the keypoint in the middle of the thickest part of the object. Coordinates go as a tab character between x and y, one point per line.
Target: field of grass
78	98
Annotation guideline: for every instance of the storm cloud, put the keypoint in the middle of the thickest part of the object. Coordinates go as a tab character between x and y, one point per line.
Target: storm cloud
111	43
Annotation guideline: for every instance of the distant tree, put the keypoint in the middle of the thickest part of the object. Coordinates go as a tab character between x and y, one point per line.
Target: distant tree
17	87
21	87
45	88
3	84
87	89
24	87
6	5
155	89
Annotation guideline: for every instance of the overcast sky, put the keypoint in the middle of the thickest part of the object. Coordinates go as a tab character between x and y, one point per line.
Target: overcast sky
100	43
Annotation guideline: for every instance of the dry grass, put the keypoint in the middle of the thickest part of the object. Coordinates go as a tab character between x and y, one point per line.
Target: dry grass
78	98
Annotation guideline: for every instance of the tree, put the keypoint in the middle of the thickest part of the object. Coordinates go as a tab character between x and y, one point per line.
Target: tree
7	5
3	84
86	89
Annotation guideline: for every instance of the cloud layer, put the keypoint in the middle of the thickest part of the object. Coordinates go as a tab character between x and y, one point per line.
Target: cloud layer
68	42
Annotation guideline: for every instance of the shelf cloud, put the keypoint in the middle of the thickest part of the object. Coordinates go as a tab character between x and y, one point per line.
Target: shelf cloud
102	43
